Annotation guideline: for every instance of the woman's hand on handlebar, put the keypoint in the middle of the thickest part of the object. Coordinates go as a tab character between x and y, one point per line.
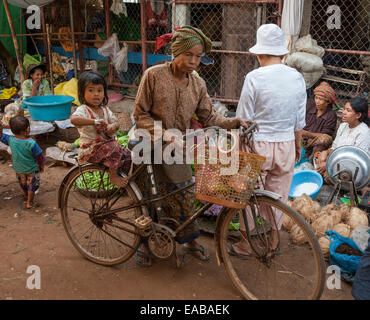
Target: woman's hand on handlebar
247	123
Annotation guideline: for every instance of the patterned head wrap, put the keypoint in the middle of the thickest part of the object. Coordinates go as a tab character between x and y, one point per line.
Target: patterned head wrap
188	37
326	92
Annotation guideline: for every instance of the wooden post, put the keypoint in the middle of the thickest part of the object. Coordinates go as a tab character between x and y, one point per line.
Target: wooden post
73	38
15	41
143	34
108	33
50	58
79	36
45	39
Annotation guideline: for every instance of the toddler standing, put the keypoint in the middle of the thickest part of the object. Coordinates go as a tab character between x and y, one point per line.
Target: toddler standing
27	157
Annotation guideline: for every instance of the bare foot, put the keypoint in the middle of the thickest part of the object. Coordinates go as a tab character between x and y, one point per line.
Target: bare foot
242	248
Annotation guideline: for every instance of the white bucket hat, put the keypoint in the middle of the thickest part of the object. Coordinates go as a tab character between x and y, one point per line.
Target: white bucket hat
270	40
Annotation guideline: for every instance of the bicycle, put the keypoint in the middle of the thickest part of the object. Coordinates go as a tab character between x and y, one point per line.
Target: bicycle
106	225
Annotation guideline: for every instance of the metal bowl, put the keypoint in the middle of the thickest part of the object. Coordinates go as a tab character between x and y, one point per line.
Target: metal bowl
349	157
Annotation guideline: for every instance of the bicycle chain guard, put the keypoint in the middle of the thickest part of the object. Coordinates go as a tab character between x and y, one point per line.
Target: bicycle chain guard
161	244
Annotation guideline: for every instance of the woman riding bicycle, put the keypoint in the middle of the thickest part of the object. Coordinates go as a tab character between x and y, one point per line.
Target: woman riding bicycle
171	93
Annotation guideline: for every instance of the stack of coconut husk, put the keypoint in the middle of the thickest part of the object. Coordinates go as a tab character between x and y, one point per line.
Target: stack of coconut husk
342	219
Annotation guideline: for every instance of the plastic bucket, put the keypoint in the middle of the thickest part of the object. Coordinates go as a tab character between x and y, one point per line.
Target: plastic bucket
305	176
49	108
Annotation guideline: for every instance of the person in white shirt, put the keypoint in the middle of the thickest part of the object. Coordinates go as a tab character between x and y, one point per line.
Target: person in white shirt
274	96
353	131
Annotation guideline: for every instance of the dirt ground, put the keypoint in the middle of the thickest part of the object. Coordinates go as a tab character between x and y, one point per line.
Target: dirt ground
37	237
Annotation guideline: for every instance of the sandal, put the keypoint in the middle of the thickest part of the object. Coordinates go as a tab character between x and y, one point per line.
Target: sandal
141	256
201	249
232	252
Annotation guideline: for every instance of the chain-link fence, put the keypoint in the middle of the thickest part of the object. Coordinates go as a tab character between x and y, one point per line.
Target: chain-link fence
343	29
230	24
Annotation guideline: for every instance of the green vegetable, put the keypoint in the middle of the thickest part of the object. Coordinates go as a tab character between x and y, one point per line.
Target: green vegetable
123	140
92	181
121	133
77	143
234	225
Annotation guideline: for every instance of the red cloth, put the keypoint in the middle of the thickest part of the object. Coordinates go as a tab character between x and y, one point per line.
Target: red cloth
162	40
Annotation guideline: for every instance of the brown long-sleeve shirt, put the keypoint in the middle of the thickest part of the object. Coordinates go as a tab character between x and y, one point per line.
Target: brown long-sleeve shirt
159	99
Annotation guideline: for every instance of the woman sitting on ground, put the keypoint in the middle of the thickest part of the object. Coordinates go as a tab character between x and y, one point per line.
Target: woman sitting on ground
321	120
36	84
354	131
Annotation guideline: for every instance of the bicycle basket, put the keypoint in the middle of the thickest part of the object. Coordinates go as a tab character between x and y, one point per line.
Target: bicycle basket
214	186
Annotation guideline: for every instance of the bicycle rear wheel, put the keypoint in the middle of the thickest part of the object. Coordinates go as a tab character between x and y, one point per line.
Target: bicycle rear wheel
101	236
297	272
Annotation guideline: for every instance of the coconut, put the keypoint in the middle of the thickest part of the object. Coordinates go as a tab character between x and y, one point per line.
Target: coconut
345	209
357	217
316	207
328	208
304	206
287	222
343	229
325	245
337	216
297	235
322	224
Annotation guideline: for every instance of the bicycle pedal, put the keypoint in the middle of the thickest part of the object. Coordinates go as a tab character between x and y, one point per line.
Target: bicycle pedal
143	222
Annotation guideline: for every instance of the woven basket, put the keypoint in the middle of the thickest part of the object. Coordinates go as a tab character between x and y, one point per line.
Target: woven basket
68	135
124	120
213	186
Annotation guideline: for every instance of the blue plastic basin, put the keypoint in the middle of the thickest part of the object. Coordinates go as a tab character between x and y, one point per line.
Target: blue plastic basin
49	108
303	177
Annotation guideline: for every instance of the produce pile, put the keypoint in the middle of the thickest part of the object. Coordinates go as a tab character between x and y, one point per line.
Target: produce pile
122	138
92	181
342	219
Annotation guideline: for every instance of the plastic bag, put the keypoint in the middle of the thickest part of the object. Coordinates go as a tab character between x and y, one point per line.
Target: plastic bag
346	263
307	44
304	166
311	78
220	108
118	7
69	88
110	47
305	62
119	61
360	236
28	59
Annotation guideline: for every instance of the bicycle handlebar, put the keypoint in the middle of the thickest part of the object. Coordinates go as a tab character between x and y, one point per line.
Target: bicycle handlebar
242	133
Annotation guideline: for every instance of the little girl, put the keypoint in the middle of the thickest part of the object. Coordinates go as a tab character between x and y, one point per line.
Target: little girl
96	124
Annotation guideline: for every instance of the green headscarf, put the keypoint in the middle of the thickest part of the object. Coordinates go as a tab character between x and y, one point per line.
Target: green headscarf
188	37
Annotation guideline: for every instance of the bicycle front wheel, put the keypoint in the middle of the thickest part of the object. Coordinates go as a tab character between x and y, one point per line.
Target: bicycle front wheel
293	272
98	234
